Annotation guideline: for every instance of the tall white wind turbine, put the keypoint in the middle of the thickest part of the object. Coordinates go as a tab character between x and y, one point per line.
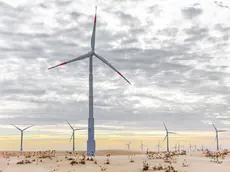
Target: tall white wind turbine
91	141
73	134
217	136
167	136
21	130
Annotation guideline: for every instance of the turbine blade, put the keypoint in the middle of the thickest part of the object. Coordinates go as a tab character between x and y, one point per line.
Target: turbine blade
214	127
79	129
164	138
27	128
16	127
94	30
172	133
106	62
73	60
223	131
71	137
70	125
165	127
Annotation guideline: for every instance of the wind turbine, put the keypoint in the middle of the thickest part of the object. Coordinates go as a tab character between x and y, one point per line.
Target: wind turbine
202	148
167	136
217	136
129	145
182	147
90	55
178	147
175	147
190	147
73	134
21	130
195	148
158	146
142	146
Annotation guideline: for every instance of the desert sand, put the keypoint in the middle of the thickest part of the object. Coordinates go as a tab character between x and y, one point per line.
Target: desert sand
119	161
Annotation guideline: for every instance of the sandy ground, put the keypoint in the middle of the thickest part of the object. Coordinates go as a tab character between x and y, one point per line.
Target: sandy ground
119	162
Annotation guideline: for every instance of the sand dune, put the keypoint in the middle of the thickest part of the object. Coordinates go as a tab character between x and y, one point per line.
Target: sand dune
99	152
119	162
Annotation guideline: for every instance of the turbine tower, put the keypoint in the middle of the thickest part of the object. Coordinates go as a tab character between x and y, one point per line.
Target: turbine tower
73	134
21	130
91	142
217	136
167	136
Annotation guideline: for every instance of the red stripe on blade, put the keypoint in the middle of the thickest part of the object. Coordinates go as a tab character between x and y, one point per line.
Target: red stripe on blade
63	63
95	19
120	74
123	77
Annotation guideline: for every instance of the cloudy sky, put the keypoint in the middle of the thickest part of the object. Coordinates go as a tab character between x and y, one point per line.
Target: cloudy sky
175	53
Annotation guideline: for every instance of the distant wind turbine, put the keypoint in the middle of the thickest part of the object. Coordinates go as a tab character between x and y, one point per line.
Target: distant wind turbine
73	134
217	136
158	146
175	147
167	136
195	148
178	147
128	145
190	147
91	141
142	146
202	148
21	130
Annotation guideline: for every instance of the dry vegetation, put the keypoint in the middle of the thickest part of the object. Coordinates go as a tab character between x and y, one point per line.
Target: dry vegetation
155	161
167	157
216	156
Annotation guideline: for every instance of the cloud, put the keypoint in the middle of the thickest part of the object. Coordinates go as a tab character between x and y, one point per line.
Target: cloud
176	59
192	12
221	4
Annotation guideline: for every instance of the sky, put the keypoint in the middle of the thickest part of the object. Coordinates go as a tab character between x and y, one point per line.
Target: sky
175	53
